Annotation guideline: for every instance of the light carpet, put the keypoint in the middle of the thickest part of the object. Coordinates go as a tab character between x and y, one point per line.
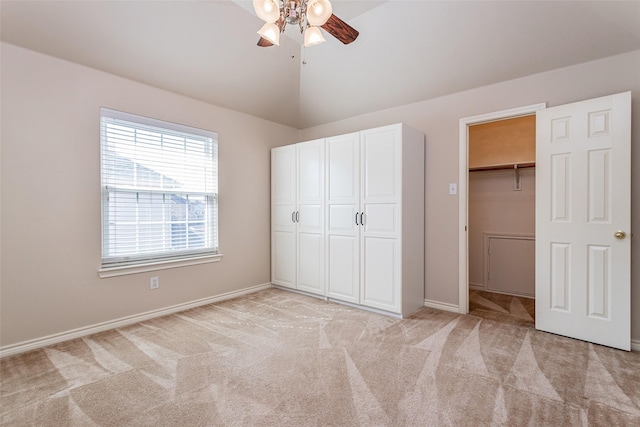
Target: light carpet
276	358
519	310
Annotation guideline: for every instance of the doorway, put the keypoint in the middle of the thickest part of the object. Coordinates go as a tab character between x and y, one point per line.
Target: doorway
464	129
583	205
501	225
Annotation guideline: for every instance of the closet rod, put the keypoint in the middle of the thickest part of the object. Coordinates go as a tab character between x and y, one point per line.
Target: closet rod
503	166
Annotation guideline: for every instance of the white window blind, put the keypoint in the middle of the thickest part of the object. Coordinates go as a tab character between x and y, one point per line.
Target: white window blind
159	190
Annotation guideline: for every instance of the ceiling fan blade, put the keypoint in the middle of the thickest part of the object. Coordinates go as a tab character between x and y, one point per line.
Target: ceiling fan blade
340	29
264	42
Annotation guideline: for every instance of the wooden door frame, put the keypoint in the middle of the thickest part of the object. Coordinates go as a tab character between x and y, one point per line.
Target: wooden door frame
463	193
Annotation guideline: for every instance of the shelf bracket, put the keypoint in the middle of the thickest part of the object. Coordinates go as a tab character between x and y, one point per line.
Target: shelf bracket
516	178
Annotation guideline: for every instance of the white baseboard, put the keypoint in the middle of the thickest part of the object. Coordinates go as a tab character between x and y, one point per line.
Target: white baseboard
477	286
454	308
298	291
365	308
33	344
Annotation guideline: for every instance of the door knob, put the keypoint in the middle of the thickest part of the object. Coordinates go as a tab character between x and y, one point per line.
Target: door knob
620	234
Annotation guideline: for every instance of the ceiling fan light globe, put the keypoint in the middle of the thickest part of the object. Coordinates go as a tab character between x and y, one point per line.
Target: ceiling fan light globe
271	32
267	10
313	36
318	12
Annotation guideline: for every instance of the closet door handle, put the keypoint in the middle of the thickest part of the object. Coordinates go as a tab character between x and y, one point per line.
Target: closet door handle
362	218
357	218
297	216
293	216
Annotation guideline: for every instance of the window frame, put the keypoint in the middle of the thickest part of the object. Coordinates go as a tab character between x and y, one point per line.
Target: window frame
116	265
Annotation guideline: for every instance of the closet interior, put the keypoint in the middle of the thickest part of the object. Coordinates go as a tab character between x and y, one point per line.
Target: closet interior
502	208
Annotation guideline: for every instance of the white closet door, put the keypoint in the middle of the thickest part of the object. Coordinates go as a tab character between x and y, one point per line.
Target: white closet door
343	200
583	206
283	206
381	160
310	216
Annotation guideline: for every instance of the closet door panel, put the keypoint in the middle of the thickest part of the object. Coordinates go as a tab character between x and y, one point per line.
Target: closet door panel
381	163
310	270
343	268
311	248
283	259
381	267
283	175
343	158
283	217
342	218
310	171
283	188
310	218
381	219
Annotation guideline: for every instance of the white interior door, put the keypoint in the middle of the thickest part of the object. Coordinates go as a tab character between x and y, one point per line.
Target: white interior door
583	204
343	201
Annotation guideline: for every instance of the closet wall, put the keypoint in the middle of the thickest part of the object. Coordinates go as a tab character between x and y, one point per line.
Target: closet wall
502	206
497	211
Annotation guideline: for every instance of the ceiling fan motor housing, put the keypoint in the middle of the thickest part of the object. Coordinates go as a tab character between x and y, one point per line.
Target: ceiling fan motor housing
294	11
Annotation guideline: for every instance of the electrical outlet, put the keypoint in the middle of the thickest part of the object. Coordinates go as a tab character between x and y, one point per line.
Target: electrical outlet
154	283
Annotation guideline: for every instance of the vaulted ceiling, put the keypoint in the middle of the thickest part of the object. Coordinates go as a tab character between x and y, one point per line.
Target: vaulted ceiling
407	51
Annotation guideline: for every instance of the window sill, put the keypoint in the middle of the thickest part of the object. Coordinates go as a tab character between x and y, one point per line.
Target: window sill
153	266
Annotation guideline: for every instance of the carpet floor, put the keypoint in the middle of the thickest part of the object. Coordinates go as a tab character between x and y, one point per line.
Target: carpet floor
276	358
517	310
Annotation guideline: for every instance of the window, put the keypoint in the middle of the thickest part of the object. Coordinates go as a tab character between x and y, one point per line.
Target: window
159	191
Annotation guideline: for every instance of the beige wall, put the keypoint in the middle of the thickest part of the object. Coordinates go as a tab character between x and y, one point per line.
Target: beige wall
50	189
439	118
495	207
50	192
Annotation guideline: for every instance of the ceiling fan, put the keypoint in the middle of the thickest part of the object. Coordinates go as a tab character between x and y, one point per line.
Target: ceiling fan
309	15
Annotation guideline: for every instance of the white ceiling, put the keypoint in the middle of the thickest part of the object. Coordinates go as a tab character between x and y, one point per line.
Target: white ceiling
407	51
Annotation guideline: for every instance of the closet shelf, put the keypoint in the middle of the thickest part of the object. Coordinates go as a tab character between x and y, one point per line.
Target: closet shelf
504	166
